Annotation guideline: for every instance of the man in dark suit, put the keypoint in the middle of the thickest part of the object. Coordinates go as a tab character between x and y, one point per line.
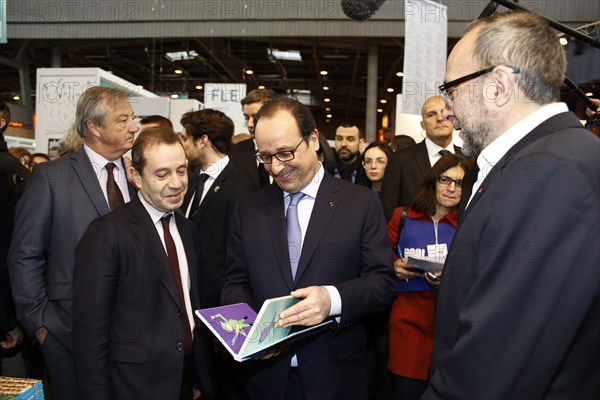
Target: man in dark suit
407	169
13	176
135	288
332	252
61	199
215	186
243	153
519	304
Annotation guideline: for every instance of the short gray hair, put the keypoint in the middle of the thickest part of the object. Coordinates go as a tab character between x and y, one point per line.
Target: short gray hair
522	39
91	105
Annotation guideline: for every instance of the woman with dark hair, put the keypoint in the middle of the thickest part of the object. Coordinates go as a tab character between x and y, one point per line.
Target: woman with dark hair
427	230
376	158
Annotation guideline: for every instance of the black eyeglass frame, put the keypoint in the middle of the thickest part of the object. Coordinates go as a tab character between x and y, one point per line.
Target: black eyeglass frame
457	182
261	157
445	88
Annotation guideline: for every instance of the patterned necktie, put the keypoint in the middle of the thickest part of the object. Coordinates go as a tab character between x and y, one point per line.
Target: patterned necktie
198	195
294	233
115	197
174	263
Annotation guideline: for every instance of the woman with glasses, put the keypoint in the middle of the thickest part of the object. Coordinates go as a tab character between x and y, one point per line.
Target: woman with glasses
375	160
426	229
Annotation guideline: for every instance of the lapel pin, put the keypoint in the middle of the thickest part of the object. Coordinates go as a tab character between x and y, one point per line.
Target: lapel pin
217	189
330	203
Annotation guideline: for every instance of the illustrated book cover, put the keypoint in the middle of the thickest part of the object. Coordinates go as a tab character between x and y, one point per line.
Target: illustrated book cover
246	334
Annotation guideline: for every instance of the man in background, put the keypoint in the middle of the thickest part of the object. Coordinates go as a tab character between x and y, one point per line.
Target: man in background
518	309
408	167
348	142
151	121
243	153
61	199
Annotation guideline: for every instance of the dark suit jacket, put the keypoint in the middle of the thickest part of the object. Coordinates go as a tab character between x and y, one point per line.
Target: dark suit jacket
242	155
518	309
61	199
346	245
404	176
13	176
128	325
213	220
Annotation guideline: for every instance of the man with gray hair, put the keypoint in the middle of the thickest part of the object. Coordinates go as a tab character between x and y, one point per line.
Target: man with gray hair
518	309
61	199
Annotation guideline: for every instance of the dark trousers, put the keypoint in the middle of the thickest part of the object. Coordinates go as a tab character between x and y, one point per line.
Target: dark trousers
186	380
61	369
408	389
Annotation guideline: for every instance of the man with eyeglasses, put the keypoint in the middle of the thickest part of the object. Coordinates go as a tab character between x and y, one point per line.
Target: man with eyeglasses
518	310
408	167
322	239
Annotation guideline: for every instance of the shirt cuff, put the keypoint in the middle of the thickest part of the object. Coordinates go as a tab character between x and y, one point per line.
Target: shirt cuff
336	301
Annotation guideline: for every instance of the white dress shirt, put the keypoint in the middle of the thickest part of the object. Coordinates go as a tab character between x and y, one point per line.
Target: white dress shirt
490	156
99	164
433	150
156	215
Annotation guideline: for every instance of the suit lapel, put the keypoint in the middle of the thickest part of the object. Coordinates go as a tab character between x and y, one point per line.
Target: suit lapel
422	158
192	182
213	192
87	176
275	214
145	233
326	202
187	239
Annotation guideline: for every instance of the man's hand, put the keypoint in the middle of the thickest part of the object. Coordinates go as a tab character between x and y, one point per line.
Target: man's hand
40	335
312	310
13	339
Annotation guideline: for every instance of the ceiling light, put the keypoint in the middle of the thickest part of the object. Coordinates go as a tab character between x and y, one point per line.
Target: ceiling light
383	101
327	120
199	87
326	99
327	109
174	96
287	55
563	41
261	87
249	72
400	74
390	90
178	71
323	72
325	87
329	116
181	55
589	94
380	110
16	97
140	87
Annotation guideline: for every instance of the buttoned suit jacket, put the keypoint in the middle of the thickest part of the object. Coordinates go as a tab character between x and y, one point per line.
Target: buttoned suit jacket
345	245
128	320
518	308
404	177
213	221
60	200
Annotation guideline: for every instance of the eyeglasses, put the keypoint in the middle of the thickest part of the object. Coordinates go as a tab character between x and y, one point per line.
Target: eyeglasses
446	181
379	161
285	155
447	89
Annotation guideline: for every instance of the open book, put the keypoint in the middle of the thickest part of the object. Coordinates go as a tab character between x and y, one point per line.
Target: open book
246	334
